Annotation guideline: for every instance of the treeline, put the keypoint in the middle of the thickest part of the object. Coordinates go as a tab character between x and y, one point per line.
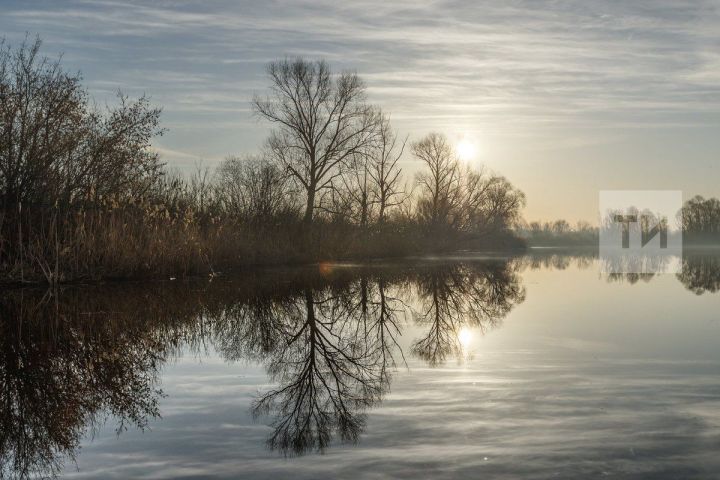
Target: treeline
558	233
699	219
83	196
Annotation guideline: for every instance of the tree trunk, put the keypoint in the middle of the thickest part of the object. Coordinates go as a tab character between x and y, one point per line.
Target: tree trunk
364	211
310	207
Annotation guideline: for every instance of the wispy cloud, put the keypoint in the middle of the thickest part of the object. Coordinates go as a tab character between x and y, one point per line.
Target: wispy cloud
522	69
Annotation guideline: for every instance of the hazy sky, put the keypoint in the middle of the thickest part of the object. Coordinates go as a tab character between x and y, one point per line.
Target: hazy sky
565	98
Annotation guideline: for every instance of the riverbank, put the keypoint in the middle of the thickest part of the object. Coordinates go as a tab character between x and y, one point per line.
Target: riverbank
124	247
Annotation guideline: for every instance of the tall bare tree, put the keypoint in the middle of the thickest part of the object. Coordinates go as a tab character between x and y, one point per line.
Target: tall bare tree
384	170
354	197
440	184
322	120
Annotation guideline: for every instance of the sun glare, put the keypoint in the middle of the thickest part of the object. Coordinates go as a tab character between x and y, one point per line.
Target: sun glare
466	150
465	337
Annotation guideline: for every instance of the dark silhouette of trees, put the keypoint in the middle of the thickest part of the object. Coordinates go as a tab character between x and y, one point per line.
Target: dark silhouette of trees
370	185
491	204
83	196
255	190
440	194
58	153
385	172
57	148
455	199
321	121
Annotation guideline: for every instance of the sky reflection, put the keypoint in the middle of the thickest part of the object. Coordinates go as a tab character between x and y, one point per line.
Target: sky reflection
578	375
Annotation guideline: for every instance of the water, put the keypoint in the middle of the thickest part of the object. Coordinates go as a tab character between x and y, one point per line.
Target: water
525	367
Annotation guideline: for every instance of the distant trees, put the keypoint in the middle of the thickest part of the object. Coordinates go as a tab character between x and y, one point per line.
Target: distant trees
321	120
558	232
701	217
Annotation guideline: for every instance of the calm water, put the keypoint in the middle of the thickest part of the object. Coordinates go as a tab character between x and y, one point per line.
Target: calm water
470	367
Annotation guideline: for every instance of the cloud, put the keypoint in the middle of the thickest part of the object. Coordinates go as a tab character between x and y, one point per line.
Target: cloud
545	71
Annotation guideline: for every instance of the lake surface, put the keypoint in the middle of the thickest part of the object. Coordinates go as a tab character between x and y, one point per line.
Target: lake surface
536	366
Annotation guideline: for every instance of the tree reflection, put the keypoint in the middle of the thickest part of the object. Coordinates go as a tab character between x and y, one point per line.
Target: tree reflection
327	375
552	259
700	273
383	327
61	375
70	360
329	341
463	295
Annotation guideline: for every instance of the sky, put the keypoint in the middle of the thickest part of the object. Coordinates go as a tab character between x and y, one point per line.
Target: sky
564	98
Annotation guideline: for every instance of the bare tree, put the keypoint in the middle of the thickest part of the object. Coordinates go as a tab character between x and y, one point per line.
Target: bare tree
440	184
254	188
199	188
370	183
384	170
491	203
322	121
351	198
59	153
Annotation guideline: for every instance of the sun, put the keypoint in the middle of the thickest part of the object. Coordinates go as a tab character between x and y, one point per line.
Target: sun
466	150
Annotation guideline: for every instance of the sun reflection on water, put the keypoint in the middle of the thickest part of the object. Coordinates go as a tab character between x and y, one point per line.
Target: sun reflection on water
465	336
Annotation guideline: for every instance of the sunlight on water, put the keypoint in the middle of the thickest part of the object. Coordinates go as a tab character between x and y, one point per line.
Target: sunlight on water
465	336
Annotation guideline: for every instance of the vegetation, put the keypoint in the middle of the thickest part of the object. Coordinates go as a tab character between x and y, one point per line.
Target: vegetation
699	219
558	233
83	196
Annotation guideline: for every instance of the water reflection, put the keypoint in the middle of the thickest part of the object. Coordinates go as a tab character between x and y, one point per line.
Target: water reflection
700	269
460	297
74	358
330	342
700	273
63	362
